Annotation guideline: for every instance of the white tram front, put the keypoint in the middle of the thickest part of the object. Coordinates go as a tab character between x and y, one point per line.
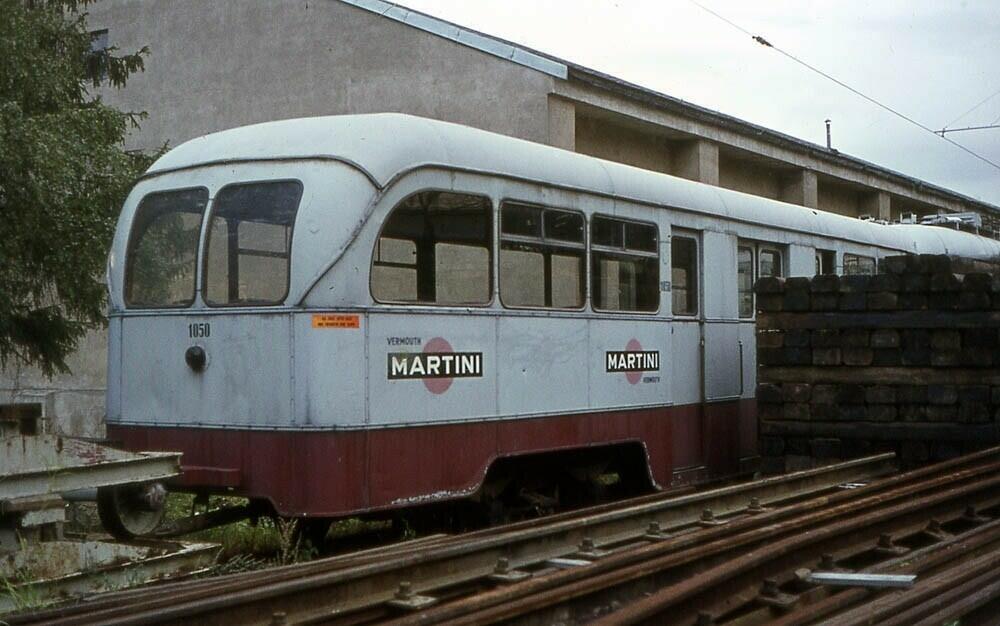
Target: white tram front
350	314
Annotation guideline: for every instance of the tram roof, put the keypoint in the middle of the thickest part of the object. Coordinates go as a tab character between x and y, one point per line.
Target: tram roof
385	145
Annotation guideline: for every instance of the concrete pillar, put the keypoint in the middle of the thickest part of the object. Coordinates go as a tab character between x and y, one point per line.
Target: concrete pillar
698	160
877	204
801	188
562	123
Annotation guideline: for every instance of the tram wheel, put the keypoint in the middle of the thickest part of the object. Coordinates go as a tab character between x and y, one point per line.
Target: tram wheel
130	511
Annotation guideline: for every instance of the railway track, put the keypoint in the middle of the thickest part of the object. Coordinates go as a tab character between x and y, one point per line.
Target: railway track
367	581
742	554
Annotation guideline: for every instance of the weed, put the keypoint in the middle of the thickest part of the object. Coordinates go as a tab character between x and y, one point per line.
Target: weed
24	596
357	526
240	563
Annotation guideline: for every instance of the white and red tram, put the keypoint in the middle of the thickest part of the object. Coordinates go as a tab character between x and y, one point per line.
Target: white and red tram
349	314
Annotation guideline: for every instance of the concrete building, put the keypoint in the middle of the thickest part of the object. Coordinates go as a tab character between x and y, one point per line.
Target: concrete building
225	63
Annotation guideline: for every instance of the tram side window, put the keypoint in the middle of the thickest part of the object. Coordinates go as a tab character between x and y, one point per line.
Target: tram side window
249	243
858	264
625	266
163	249
435	248
542	254
770	262
744	279
684	275
826	261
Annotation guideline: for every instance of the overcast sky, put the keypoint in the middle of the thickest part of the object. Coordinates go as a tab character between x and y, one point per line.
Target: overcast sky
930	60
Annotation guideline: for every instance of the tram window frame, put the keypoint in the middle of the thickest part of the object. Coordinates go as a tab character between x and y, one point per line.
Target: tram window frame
135	238
741	292
853	262
547	244
619	249
251	252
758	249
693	286
779	261
486	243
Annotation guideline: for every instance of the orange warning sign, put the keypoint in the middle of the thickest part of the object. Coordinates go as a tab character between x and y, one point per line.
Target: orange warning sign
329	320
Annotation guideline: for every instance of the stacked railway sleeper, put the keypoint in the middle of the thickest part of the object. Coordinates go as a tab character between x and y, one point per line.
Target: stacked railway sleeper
904	360
747	553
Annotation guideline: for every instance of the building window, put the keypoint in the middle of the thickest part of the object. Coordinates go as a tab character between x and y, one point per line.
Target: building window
20	419
625	266
250	243
435	248
542	256
858	264
744	279
97	60
163	249
684	275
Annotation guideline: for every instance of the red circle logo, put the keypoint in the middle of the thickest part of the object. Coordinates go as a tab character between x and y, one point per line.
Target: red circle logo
633	345
438	385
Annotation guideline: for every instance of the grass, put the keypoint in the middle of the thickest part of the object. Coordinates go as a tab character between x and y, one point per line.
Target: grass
24	598
268	542
245	545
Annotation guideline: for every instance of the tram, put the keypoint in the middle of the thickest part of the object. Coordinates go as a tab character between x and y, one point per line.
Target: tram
356	314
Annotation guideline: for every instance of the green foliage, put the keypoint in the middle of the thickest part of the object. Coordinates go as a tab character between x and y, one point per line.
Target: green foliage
63	176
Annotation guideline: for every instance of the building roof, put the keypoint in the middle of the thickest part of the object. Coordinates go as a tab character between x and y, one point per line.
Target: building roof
567	70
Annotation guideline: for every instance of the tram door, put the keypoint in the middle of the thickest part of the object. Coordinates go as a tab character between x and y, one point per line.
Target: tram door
722	352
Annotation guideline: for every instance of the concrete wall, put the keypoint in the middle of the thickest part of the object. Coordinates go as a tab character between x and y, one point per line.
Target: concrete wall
745	176
225	63
639	106
72	404
618	142
840	199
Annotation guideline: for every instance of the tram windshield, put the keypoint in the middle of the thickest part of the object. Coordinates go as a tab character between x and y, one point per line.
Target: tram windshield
163	250
249	243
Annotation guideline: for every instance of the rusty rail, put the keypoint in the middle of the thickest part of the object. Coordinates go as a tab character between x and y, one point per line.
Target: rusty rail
674	564
331	588
735	566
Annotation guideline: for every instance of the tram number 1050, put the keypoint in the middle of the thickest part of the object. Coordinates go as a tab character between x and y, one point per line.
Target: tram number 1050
199	330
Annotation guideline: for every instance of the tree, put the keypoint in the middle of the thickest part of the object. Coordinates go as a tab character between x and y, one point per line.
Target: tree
63	176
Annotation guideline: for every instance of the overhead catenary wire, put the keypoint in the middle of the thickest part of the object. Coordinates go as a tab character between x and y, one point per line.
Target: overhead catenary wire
957	130
764	42
979	104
